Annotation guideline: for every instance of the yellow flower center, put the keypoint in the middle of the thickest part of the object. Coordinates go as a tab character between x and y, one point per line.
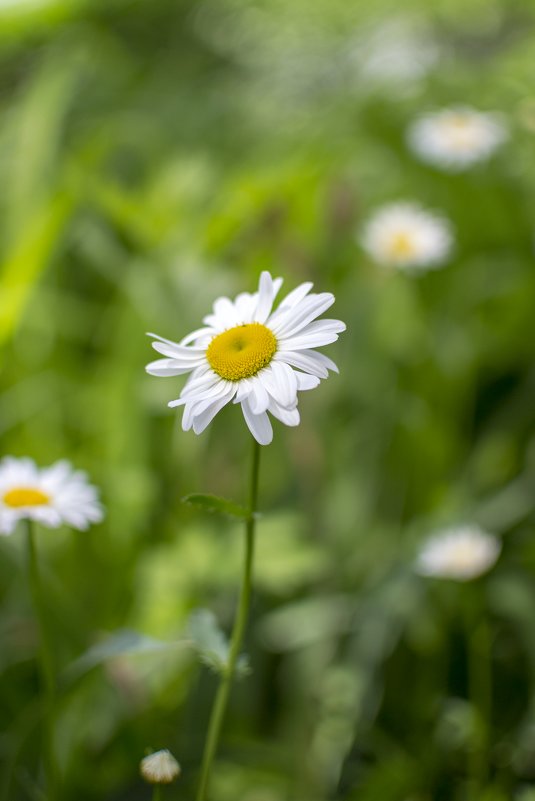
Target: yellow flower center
401	245
459	121
461	131
25	496
242	351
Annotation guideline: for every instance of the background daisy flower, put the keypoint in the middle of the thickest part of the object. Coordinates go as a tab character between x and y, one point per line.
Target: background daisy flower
458	553
407	237
453	139
51	495
251	355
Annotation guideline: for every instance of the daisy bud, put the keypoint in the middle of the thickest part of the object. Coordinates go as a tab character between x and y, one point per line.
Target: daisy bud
160	767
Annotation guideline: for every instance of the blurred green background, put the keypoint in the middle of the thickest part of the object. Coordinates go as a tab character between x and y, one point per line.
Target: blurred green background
155	154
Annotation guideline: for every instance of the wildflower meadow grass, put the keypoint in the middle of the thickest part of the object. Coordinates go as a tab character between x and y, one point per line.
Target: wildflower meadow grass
295	561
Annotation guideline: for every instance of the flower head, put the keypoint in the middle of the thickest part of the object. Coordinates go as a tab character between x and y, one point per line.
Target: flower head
249	354
50	495
462	553
405	236
160	767
453	139
400	50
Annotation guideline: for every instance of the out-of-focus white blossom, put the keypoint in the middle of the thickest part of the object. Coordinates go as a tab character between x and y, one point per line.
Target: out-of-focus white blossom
454	139
51	496
407	237
397	51
462	553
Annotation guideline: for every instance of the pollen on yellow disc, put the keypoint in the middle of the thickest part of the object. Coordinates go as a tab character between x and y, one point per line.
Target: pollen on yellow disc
25	496
242	351
401	245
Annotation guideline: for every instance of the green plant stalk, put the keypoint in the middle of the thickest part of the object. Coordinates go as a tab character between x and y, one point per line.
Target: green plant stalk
157	793
480	693
46	667
221	699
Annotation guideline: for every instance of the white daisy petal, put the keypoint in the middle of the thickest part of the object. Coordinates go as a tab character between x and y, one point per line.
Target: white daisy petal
319	358
246	355
225	311
307	341
323	326
188	414
245	304
281	383
258	398
200	333
7	524
212	392
161	339
290	417
305	381
307	360
224	315
266	296
298	317
258	424
201	379
244	389
187	355
56	475
203	419
166	367
295	297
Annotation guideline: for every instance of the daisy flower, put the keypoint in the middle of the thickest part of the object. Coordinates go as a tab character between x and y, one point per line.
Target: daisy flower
405	236
461	553
50	495
400	50
249	354
453	139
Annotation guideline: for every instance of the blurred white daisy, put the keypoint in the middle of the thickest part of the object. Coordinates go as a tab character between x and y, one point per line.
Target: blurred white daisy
251	355
50	495
406	236
160	767
400	50
455	138
461	553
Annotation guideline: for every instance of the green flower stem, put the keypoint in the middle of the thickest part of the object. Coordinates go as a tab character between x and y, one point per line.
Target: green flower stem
221	700
157	793
479	647
46	666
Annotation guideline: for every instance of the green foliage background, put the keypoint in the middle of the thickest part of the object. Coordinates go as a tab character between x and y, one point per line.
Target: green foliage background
155	154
